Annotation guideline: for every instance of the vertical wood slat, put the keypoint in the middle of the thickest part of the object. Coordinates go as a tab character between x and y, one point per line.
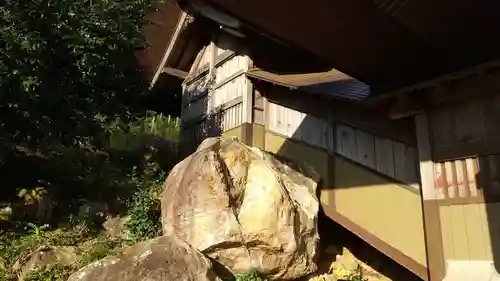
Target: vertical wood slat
466	118
454	178
459	178
346	142
441	182
332	141
400	161
471	125
229	91
450	183
206	56
391	158
384	152
229	68
229	118
471	176
413	166
366	149
298	125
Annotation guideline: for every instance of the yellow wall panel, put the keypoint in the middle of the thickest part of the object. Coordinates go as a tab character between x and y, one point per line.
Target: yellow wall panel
471	231
447	236
298	152
236	132
258	136
390	211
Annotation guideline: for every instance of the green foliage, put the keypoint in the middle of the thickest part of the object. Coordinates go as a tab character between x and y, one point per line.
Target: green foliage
51	273
68	79
144	211
147	130
67	67
5	275
101	248
70	127
12	246
357	275
73	236
251	275
35	229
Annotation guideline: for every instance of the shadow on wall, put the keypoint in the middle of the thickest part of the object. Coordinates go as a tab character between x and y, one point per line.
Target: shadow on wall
194	133
465	218
357	187
491	197
468	187
469	208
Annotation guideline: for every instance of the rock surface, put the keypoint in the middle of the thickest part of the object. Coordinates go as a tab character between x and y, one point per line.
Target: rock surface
162	258
116	227
244	208
45	256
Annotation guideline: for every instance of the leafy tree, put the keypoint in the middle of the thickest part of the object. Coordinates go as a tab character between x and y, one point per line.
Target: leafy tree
68	71
67	67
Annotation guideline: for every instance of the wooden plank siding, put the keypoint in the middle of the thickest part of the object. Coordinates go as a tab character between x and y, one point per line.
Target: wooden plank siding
462	201
465	129
465	150
391	158
358	168
468	180
213	92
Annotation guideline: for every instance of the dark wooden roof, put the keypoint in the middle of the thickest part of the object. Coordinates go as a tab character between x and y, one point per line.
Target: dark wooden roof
163	19
332	83
386	43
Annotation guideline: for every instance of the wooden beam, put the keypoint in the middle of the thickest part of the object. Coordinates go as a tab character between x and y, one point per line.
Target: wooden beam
170	47
175	72
408	106
462	89
431	84
430	207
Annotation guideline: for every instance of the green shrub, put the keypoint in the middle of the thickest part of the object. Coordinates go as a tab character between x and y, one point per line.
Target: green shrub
72	236
51	273
357	275
251	275
144	211
13	246
100	249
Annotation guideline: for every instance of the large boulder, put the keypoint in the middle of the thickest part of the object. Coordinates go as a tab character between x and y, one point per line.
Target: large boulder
162	258
244	208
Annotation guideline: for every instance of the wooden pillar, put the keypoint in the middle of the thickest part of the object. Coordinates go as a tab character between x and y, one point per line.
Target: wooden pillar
430	206
247	118
259	119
